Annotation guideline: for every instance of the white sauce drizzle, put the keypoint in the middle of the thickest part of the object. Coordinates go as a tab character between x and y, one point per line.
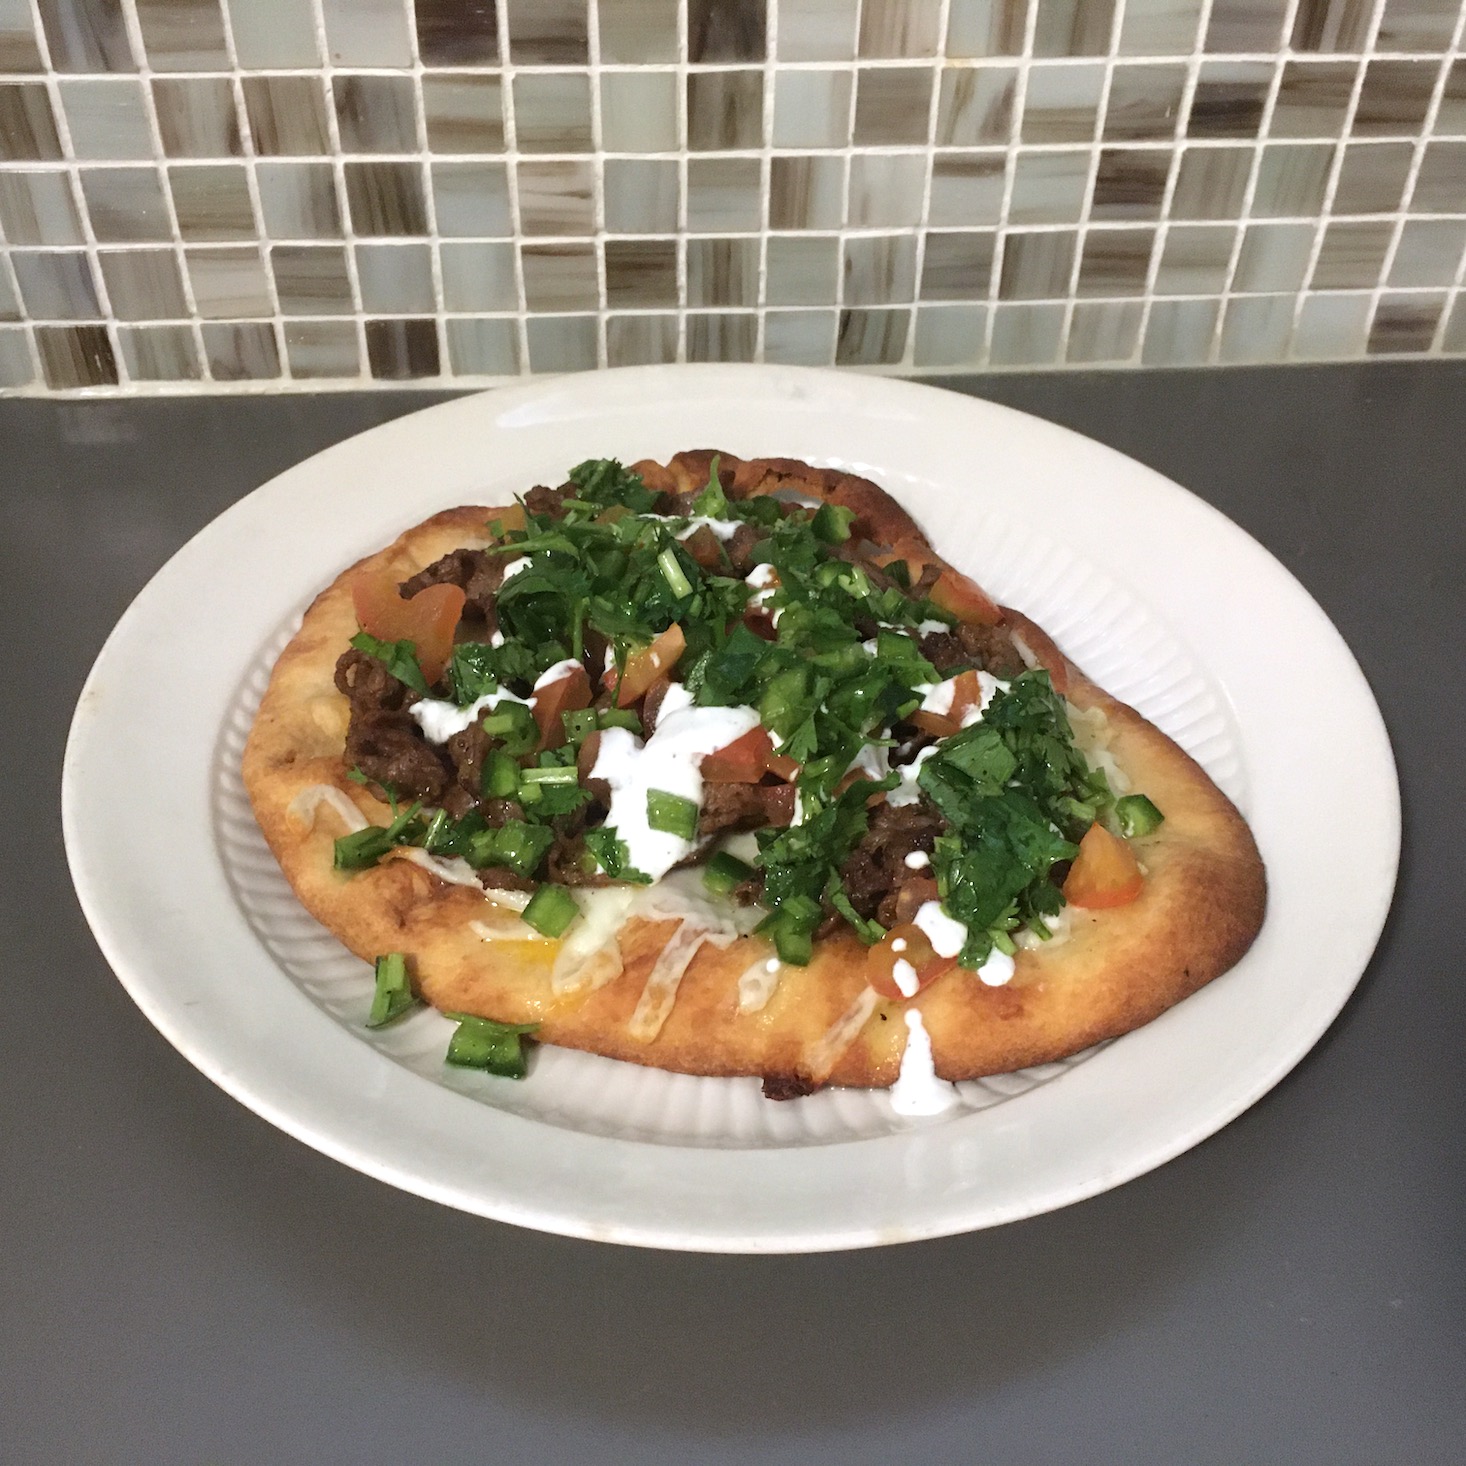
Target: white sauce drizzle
440	719
725	529
938	697
758	984
514	566
903	974
917	1090
906	791
558	672
917	860
946	934
997	970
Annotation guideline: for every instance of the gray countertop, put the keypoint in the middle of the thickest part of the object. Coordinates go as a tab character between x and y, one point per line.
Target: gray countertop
186	1284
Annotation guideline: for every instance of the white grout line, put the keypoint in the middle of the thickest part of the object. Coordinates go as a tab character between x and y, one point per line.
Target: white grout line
683	139
598	181
512	158
908	354
430	200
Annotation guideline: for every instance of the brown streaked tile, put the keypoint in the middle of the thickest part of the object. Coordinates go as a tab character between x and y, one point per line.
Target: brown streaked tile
402	349
811	108
274	35
1273	257
724	110
817	30
1352	254
298	200
478	277
37	208
1450	117
76	356
641	195
1073	27
880	269
1417	25
457	32
1037	266
1195	259
196	116
56	285
473	198
1179	332
722	337
1130	183
640	340
9	299
18	51
803	270
212	202
1372	178
1405	323
1394	98
886	189
561	343
1291	179
1211	183
240	351
463	114
1062	104
484	348
722	272
183	35
287	115
125	205
1229	99
892	105
639	111
1454	338
552	112
871	337
1115	262
726	30
986	28
1103	330
1312	99
724	193
311	279
229	283
548	32
975	105
27	128
107	117
891	29
397	279
386	198
1256	329
967	188
376	114
1145	102
1440	186
87	35
638	30
1160	28
1331	326
1331	25
1026	335
322	349
950	336
560	277
1245	25
143	284
957	266
556	198
1429	252
1049	188
800	338
641	272
160	353
806	192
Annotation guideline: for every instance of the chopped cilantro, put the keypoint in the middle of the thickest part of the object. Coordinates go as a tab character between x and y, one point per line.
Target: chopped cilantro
399	658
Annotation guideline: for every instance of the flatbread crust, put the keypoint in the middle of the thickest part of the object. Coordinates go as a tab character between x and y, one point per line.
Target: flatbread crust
1113	971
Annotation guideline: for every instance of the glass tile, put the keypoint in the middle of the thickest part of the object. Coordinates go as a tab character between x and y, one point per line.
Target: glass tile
76	356
9	298
557	198
1450	117
725	110
298	200
37	208
229	283
1273	257
1211	183
1417	25
1394	98
1291	179
1073	27
1405	323
1372	178
800	338
27	127
143	284
15	359
811	108
975	105
871	337
1195	259
1115	262
641	195
722	272
1331	327
397	279
547	32
402	350
1429	252
560	277
18	52
1352	254
287	115
722	337
1130	183
950	336
1159	27
1037	265
212	202
892	105
1062	105
367	33
1179	332
1048	188
635	31
1332	25
376	114
196	117
724	193
1440	186
985	28
311	279
1312	99
806	192
552	112
639	111
967	188
1103	331
464	114
886	189
273	33
457	32
1256	328
880	270
817	30
473	198
160	353
56	286
125	205
1026	335
957	266
1455	332
726	30
183	35
1229	99
319	349
890	29
86	35
483	348
640	340
107	117
803	270
1145	102
562	343
386	198
1246	25
642	272
242	351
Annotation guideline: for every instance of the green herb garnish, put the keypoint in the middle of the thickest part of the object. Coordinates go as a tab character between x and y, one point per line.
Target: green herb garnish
480	1043
393	995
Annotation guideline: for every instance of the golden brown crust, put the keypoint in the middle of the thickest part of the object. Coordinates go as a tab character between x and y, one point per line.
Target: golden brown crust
1113	971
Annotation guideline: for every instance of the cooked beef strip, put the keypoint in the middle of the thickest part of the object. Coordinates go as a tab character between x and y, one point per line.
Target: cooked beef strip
788	1086
570	863
477	573
501	878
544	500
739	547
732	807
381	739
876	870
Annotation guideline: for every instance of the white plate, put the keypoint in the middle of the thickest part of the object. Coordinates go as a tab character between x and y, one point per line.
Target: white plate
1168	603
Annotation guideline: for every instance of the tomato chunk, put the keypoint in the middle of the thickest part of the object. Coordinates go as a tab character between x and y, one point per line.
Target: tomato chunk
567	694
645	666
966	693
427	620
955	593
1105	872
904	956
742	762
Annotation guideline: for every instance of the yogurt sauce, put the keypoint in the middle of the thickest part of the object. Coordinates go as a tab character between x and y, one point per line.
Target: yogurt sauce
440	719
917	1090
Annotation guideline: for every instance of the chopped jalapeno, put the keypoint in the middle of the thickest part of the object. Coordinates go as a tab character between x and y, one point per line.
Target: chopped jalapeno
551	909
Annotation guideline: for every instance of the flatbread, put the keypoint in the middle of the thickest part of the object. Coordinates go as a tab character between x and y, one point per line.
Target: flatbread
1112	971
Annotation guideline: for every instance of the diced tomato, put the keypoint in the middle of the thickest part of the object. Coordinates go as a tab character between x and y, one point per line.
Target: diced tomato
782	766
761	623
908	944
585	759
966	693
778	804
427	620
567	694
644	667
743	761
954	592
1104	873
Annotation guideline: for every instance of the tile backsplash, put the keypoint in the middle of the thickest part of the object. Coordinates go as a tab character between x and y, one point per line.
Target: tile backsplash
209	196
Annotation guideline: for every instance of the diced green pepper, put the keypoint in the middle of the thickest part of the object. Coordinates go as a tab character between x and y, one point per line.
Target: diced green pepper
393	995
480	1043
551	909
1136	815
724	872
